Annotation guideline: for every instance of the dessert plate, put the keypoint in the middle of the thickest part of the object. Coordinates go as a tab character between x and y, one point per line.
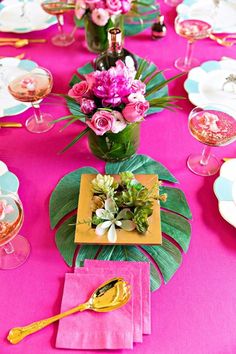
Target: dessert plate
204	83
221	17
10	68
225	191
8	181
33	18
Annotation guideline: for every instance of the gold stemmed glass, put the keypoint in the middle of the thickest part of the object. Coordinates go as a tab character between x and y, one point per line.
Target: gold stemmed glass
33	87
14	249
58	8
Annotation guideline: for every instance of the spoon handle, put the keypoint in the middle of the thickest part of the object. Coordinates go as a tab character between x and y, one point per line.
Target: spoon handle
18	333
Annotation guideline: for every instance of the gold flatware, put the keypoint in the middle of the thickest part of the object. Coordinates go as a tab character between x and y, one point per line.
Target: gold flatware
10	125
221	41
18	44
19	56
227	158
23	39
111	295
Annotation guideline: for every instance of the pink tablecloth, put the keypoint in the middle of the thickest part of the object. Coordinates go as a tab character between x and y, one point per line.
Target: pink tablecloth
196	312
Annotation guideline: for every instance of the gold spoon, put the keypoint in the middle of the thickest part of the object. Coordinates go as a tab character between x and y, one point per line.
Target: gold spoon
18	44
221	41
111	295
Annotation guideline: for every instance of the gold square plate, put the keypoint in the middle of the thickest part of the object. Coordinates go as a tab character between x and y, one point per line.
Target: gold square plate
85	234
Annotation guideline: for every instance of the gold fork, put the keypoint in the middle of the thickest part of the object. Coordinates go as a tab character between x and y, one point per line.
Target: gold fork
20	43
221	41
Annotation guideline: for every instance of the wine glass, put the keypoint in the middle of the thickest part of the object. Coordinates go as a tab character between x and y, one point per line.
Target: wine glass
212	125
58	8
32	87
14	249
192	30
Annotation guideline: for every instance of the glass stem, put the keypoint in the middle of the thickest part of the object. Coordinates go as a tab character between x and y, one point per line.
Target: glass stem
60	22
189	52
37	113
8	248
205	155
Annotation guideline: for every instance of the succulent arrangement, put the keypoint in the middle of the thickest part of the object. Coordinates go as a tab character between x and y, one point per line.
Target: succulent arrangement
125	204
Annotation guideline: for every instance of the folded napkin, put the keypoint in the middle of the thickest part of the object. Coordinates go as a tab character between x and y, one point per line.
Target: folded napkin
141	277
89	329
136	290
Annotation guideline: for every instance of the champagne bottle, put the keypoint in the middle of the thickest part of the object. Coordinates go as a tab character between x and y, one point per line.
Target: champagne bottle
115	52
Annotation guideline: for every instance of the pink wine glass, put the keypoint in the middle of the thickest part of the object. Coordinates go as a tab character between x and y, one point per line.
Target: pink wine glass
58	8
33	87
192	30
212	125
14	249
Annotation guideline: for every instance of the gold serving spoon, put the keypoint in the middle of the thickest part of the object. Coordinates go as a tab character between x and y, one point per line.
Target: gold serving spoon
221	41
19	56
10	125
21	42
110	296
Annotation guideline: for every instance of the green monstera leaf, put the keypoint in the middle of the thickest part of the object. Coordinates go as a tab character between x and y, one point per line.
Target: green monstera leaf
165	259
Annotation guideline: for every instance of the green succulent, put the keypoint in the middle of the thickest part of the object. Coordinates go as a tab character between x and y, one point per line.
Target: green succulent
104	184
141	219
134	197
96	220
126	177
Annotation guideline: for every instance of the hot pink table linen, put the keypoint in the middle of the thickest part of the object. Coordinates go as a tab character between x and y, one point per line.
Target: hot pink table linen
195	312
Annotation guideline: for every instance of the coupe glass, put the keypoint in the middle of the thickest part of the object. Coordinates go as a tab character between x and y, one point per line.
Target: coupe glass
212	125
58	8
192	30
32	87
14	249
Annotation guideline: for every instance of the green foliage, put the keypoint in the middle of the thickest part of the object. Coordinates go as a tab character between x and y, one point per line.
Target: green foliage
165	259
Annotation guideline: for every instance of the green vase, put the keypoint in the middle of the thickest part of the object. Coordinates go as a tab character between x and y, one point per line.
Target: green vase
115	147
96	36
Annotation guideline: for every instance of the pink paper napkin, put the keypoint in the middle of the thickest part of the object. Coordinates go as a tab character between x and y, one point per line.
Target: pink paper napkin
89	329
136	290
141	284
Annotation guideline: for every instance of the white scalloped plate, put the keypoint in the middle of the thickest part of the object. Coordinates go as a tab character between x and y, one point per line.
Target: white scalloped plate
8	180
225	191
35	18
223	19
204	83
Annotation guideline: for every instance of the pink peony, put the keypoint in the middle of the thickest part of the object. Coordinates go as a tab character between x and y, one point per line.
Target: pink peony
134	112
80	90
87	105
80	8
114	6
118	123
138	86
101	122
100	16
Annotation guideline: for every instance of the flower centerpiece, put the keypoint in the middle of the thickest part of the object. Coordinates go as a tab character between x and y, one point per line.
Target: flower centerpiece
117	205
100	15
113	103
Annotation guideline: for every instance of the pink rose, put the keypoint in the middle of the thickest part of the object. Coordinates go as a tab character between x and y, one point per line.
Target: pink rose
134	112
125	6
100	17
113	6
118	123
87	105
138	86
101	122
80	8
80	90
